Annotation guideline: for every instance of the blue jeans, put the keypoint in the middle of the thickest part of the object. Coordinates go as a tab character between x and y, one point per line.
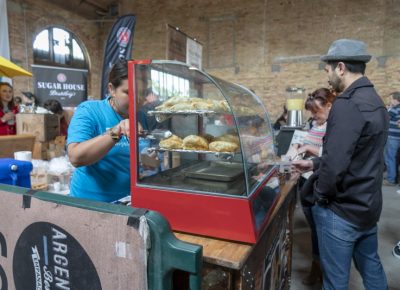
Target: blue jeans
392	146
340	242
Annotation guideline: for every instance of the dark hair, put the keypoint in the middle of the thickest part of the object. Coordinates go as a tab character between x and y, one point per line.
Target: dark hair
395	96
322	95
118	73
53	106
351	66
11	103
17	100
147	92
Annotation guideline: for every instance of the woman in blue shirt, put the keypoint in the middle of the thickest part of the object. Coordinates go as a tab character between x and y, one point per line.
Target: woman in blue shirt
98	145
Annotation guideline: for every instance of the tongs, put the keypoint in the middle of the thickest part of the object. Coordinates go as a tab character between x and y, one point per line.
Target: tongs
156	134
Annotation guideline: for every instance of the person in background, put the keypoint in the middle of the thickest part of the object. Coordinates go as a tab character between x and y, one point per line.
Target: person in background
55	107
8	110
97	142
17	100
393	141
319	103
150	102
282	120
348	176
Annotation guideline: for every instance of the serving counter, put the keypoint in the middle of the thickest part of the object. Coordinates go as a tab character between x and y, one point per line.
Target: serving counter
265	265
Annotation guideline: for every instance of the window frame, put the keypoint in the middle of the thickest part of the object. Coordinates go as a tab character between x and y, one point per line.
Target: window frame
50	60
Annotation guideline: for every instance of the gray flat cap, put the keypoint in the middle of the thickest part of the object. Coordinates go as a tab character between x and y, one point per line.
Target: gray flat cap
347	50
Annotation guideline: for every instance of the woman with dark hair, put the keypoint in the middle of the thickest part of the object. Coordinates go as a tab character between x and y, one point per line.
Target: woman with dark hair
56	108
319	103
98	145
7	110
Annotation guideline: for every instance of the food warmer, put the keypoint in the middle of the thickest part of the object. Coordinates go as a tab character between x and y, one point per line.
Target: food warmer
202	151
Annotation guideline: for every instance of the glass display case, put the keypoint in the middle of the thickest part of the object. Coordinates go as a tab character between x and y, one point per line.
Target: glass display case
202	151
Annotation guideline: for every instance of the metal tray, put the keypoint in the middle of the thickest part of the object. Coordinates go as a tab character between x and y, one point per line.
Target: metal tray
219	171
226	155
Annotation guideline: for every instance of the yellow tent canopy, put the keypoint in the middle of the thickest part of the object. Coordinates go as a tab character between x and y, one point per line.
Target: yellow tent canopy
10	70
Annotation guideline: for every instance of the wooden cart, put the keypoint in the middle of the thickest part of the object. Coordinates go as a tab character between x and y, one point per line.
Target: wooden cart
265	265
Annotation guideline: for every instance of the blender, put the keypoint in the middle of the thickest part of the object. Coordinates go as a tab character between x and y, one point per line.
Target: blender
294	105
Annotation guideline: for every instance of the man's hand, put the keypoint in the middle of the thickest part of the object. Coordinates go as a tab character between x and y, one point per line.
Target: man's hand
302	165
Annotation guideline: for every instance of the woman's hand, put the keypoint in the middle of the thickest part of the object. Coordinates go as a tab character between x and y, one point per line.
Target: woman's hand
8	116
309	150
302	165
303	149
122	128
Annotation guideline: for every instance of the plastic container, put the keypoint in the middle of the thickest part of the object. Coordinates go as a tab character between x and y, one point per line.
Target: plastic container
15	172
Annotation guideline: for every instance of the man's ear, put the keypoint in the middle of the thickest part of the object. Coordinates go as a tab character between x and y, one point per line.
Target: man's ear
341	68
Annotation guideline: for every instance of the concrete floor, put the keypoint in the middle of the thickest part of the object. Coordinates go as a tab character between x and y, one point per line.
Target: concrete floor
389	234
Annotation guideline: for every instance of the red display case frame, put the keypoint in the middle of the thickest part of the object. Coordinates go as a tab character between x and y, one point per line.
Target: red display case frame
221	216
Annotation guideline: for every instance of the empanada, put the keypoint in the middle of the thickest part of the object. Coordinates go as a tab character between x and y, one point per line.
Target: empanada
193	142
228	138
173	142
223	146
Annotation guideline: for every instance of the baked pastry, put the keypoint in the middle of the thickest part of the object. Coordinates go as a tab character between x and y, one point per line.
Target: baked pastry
245	111
184	106
223	146
193	142
221	106
203	105
171	102
210	138
173	142
228	138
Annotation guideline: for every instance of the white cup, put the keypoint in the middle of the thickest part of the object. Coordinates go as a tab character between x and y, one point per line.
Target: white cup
23	155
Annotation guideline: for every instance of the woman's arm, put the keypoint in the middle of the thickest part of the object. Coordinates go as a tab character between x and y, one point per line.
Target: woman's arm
93	150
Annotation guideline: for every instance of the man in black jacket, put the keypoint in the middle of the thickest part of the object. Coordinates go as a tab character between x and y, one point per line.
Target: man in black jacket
348	187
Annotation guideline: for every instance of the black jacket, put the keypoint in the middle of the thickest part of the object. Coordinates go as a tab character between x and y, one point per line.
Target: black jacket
351	166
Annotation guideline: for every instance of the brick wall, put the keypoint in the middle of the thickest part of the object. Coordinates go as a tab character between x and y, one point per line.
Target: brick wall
27	18
265	45
269	45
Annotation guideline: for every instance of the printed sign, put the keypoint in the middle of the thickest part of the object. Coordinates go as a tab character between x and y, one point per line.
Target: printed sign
193	53
44	245
50	258
68	86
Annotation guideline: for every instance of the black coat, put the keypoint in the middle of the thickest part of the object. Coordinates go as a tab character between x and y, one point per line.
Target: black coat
349	172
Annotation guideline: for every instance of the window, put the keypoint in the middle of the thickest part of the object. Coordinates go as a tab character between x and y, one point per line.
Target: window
56	46
168	85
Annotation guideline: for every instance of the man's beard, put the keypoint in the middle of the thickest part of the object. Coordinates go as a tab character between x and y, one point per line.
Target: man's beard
336	83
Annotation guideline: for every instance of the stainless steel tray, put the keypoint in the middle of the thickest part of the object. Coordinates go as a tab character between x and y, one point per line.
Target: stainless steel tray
161	116
219	171
227	155
182	112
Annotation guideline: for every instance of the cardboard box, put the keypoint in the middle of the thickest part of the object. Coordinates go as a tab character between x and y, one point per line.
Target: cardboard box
44	126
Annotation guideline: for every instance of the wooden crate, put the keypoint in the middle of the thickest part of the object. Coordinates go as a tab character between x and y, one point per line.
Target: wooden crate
44	126
13	143
40	150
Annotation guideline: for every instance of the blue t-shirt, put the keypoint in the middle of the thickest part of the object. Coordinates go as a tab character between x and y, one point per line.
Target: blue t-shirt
108	179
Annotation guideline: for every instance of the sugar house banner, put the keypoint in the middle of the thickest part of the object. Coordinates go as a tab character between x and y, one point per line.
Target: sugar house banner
68	86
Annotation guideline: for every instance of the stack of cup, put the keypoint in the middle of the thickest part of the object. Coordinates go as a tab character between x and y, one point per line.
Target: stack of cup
23	155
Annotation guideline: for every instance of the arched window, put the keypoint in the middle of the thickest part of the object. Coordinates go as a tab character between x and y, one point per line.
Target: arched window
56	46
